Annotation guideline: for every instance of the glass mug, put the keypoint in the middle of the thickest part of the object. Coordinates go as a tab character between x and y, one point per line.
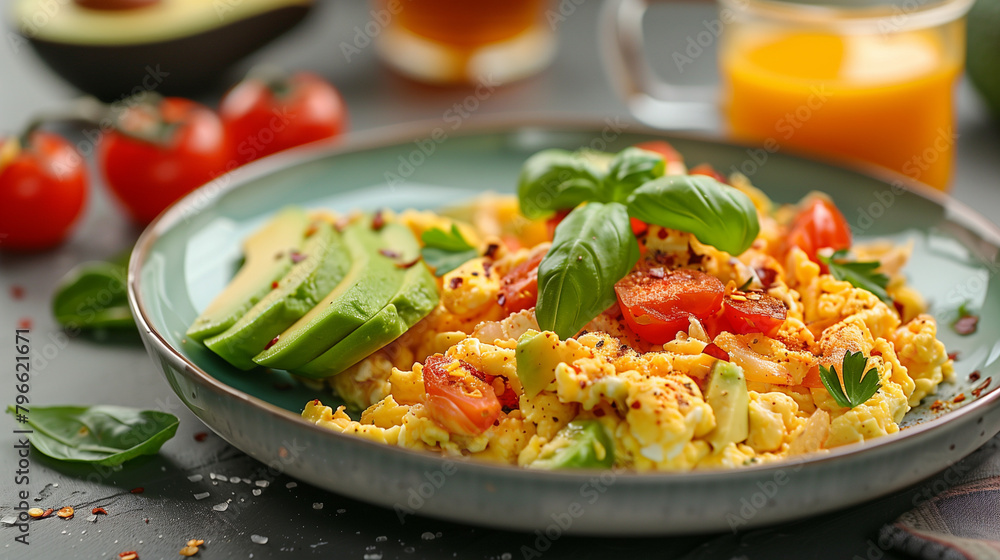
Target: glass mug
462	41
872	83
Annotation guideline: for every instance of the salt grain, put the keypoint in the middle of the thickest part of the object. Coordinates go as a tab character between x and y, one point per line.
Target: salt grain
373	556
317	505
9	519
427	536
291	485
223	478
262	483
195	478
381	538
221	507
505	556
92	518
341	510
258	539
256	491
201	495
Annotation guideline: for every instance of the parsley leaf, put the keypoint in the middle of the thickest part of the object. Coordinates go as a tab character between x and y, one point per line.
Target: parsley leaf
859	385
859	274
445	251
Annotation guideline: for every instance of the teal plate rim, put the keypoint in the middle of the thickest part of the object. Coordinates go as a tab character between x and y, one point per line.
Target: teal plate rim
403	133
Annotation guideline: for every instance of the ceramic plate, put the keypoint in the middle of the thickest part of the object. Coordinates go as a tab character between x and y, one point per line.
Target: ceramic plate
186	257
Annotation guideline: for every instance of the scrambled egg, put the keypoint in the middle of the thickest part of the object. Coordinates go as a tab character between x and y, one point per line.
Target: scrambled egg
650	399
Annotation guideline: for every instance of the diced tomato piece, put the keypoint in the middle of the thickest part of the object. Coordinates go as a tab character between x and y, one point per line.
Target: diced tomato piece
663	148
706	169
819	225
552	223
751	312
519	287
657	303
457	398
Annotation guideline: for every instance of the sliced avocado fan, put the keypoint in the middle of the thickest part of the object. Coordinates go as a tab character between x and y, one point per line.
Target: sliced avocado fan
371	282
267	257
325	261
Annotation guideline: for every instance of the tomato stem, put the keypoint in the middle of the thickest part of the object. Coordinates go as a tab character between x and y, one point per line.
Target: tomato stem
84	109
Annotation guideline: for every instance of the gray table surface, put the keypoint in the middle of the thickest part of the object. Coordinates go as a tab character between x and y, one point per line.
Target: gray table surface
161	519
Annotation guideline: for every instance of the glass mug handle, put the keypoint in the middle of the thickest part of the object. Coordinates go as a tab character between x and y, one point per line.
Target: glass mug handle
650	99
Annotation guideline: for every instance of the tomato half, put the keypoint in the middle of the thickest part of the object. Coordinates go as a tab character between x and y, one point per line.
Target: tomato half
43	187
263	117
519	287
457	398
817	226
161	152
657	303
751	312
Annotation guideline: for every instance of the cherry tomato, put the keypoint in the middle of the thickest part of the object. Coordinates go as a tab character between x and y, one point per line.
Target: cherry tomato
817	226
663	148
265	117
457	398
519	287
706	169
657	303
160	152
43	188
752	312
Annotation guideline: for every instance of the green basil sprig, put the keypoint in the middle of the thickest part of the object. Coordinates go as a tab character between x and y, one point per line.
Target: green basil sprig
445	251
718	215
593	248
102	435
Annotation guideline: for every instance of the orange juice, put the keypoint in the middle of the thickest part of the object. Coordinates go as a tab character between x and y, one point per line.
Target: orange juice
883	98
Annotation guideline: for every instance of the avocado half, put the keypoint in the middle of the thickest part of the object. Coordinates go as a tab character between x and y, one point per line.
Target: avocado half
174	47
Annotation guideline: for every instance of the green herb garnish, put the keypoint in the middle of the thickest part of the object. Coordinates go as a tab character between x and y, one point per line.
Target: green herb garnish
859	274
445	251
590	253
93	295
859	385
102	435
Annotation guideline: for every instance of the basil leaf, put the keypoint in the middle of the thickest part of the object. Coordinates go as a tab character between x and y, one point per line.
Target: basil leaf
93	296
860	274
445	251
102	435
593	248
717	214
556	179
631	168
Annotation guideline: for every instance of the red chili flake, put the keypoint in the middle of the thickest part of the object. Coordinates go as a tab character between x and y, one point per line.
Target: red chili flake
130	555
974	376
274	284
899	307
272	343
979	390
297	257
876	353
279	255
311	230
408	264
766	276
953	356
662	233
201	436
316	402
389	253
99	511
47	513
378	222
716	352
636	405
937	405
657	272
137	490
455	282
599	412
966	324
24	323
487	266
491	250
958	398
16	292
501	299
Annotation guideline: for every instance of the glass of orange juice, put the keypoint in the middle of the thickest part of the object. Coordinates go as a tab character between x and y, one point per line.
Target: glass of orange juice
460	41
869	80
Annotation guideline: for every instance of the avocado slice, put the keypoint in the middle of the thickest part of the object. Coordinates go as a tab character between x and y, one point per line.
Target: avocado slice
417	297
324	266
373	279
268	256
536	361
727	395
582	444
177	47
